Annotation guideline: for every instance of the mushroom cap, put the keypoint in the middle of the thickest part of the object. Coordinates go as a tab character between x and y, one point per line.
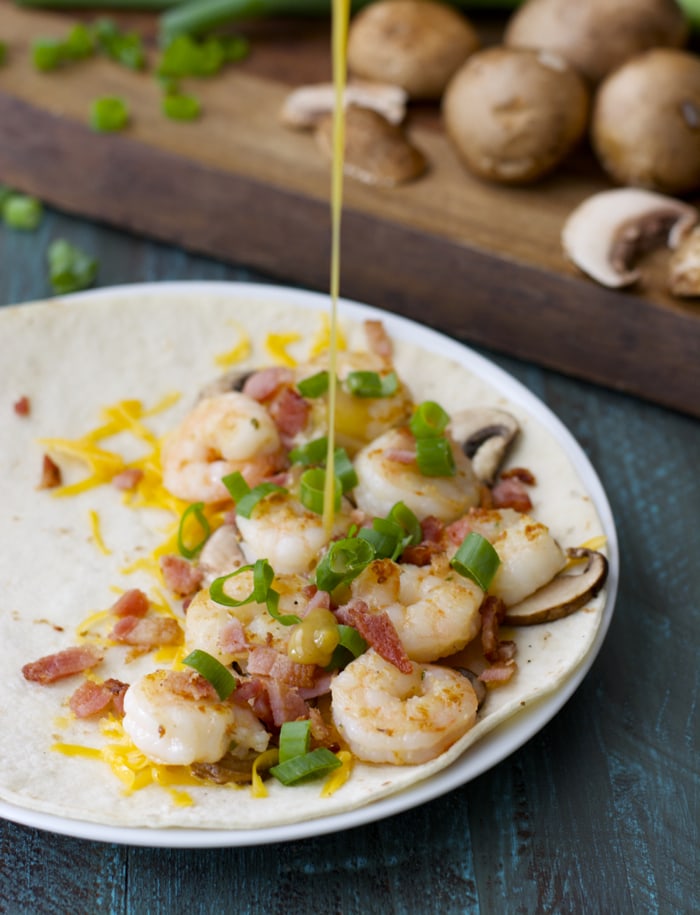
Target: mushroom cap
568	591
645	127
415	44
514	114
597	36
485	434
604	234
684	269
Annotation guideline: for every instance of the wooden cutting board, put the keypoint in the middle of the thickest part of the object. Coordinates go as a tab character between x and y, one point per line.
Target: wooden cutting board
480	262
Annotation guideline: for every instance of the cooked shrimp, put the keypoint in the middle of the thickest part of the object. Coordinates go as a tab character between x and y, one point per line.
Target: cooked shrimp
387	473
404	719
287	534
223	434
172	721
530	556
434	610
228	633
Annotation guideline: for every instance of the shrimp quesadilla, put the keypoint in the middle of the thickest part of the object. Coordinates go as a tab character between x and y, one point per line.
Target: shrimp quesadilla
205	627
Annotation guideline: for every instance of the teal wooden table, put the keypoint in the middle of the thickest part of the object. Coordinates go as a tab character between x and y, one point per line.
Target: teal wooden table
598	813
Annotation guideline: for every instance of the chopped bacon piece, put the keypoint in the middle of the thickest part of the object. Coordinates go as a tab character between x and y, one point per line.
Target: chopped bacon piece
458	530
263	384
247	689
190	685
290	412
128	479
232	638
519	473
400	455
180	575
322	734
378	340
421	554
432	528
499	673
132	603
321	599
285	702
22	406
497	651
147	633
378	631
117	688
511	493
62	664
267	662
50	474
90	699
320	687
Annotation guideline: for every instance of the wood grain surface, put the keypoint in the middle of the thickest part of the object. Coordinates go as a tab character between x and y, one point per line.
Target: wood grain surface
598	813
481	262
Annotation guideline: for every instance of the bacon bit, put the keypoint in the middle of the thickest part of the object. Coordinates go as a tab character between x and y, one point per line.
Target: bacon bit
232	638
248	689
22	406
128	479
290	412
50	474
519	473
263	384
320	687
190	685
90	699
320	599
496	651
458	530
118	689
323	735
485	498
498	674
432	528
378	341
132	603
180	575
62	664
400	455
147	633
285	703
378	631
267	662
511	493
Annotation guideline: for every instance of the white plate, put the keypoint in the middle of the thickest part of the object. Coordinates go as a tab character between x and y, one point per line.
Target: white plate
492	748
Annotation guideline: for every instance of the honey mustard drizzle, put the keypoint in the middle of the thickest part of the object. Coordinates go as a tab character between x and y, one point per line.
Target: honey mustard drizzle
340	25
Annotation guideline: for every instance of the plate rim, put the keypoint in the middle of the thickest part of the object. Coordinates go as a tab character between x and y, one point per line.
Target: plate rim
492	748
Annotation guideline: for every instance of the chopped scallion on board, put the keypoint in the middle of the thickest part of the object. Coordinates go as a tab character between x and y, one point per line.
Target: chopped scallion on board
70	269
109	114
20	211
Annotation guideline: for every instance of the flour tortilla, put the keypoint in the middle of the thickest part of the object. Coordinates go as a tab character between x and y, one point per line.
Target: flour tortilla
73	356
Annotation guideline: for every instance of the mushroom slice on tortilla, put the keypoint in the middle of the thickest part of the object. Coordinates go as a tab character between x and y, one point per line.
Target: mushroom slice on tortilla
485	434
605	234
565	593
684	269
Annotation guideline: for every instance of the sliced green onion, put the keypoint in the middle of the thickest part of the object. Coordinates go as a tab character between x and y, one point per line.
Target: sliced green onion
263	576
350	646
402	515
344	561
180	107
219	596
344	470
476	559
247	503
435	458
311	490
109	114
372	384
429	420
70	269
126	48
236	485
311	765
314	386
272	603
212	670
313	452
195	510
295	738
385	536
20	211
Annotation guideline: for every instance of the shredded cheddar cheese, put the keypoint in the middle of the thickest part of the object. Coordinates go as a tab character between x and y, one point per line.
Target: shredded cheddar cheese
239	352
338	777
277	346
97	533
322	339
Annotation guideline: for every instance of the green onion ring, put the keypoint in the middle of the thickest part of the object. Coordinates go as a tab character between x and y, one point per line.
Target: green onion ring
311	765
429	420
435	458
476	559
314	386
295	738
196	509
372	384
212	670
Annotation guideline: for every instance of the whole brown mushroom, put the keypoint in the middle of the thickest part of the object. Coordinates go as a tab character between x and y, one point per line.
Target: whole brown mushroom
597	36
415	44
645	126
514	114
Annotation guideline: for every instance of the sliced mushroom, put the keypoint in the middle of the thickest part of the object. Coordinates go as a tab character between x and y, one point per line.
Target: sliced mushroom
229	381
305	106
221	554
609	230
486	435
684	269
566	592
376	151
479	685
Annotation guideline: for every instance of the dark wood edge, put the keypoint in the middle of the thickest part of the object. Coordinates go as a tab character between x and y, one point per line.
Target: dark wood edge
619	340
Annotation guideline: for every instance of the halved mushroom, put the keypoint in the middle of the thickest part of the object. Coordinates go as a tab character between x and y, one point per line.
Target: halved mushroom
568	591
485	435
605	234
478	685
684	269
376	151
304	107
